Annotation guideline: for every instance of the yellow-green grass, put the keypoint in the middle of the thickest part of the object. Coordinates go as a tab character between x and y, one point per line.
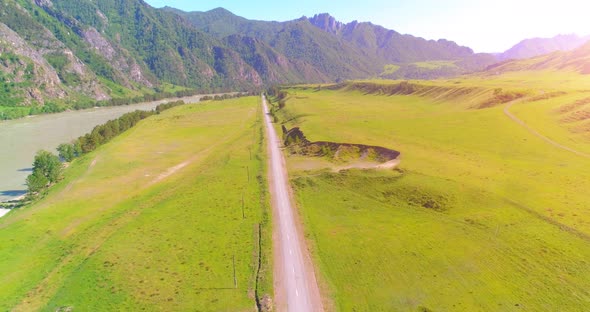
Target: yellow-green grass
118	91
480	215
151	221
538	81
549	118
390	69
168	87
435	64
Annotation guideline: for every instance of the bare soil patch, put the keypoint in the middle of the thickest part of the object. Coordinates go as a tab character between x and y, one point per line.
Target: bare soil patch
341	156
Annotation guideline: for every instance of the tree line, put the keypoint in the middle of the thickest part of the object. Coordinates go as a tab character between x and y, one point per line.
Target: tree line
48	167
227	96
14	112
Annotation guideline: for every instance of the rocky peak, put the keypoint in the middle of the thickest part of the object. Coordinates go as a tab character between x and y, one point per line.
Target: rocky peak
326	22
44	3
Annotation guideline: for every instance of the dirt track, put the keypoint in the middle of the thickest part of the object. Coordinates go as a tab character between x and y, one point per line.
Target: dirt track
295	287
537	134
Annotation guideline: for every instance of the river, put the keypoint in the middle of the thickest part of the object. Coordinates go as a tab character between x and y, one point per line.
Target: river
20	139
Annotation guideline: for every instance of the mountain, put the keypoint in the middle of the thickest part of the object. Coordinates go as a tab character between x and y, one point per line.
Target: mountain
539	46
221	23
272	66
57	54
297	40
415	57
577	60
342	51
390	45
62	50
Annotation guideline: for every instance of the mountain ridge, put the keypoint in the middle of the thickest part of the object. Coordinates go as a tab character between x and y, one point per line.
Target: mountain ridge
62	51
577	60
354	40
533	47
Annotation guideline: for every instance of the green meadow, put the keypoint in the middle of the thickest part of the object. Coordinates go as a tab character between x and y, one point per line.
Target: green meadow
171	215
481	214
434	64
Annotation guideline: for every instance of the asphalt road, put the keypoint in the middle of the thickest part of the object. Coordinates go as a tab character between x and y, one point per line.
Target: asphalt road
298	282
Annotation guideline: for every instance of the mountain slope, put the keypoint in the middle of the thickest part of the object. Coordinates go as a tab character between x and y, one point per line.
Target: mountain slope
341	50
61	51
272	66
577	61
539	46
297	40
49	62
389	44
221	23
58	54
168	47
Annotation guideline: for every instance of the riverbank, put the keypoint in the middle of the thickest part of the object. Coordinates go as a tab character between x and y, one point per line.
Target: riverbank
22	138
7	206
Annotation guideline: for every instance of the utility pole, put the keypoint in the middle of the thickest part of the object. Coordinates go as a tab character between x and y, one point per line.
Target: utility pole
234	265
243	215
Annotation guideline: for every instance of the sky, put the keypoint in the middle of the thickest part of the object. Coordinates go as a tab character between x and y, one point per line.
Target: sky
484	26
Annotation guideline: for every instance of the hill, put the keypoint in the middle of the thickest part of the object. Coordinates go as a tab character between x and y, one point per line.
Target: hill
538	46
577	60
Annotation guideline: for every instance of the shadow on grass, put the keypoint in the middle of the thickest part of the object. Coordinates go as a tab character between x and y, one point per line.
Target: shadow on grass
215	288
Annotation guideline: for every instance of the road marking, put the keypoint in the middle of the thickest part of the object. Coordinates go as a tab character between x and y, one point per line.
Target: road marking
293	269
290	251
296	292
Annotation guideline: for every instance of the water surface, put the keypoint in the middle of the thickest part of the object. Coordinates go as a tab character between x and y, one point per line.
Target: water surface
20	139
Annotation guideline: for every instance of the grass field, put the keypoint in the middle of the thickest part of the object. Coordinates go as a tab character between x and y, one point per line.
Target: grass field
434	64
390	69
151	221
481	215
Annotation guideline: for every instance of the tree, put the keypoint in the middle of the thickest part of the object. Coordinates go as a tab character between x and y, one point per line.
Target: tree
77	147
88	143
36	181
66	152
48	165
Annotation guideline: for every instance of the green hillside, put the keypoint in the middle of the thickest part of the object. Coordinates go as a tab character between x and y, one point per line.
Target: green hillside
72	54
168	47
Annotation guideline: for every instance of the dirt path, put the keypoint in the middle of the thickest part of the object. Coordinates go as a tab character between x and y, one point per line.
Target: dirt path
296	287
171	171
386	165
537	134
